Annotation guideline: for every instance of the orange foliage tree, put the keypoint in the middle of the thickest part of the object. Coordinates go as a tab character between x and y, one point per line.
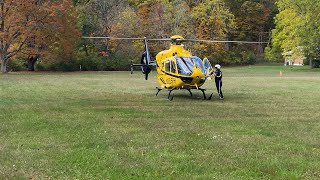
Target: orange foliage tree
31	27
213	21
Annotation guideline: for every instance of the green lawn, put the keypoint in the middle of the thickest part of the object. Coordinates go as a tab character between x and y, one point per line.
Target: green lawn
110	125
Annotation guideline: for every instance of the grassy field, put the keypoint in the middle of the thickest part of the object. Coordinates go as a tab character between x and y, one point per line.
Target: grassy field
110	125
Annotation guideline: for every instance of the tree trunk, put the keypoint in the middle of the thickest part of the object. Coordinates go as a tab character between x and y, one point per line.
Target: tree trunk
86	49
31	62
4	63
227	45
228	35
260	48
3	66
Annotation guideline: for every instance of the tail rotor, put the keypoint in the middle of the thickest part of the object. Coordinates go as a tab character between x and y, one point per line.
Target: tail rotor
147	62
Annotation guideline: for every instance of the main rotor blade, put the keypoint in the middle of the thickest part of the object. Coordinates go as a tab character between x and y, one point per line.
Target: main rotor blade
125	38
164	39
116	38
181	40
221	41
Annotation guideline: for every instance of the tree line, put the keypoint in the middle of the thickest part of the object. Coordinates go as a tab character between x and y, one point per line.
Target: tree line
202	19
46	34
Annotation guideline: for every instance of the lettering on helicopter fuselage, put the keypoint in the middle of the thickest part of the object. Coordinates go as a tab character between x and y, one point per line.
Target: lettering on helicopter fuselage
171	81
162	80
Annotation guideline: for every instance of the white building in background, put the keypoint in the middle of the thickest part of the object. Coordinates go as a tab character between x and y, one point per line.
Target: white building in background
295	59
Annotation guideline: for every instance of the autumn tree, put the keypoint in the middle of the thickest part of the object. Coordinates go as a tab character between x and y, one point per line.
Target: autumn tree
16	26
179	19
30	26
213	21
98	18
127	25
62	33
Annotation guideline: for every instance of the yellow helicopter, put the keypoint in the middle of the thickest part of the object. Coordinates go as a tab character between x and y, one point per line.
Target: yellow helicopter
176	67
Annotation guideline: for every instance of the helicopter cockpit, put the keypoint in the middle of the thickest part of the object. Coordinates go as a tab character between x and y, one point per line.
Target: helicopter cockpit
186	65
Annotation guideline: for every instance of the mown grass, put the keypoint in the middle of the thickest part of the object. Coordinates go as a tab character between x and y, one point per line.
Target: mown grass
109	125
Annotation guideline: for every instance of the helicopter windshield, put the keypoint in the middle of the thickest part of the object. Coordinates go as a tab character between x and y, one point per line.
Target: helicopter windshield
185	65
198	62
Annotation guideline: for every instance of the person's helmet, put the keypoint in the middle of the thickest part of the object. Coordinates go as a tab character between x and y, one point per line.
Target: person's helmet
217	66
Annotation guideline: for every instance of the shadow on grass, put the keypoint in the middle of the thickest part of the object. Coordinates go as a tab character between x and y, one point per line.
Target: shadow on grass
197	96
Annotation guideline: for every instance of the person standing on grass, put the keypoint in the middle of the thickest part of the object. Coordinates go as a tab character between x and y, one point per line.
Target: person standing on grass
218	80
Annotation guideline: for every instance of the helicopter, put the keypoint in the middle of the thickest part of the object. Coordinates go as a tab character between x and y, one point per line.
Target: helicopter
177	68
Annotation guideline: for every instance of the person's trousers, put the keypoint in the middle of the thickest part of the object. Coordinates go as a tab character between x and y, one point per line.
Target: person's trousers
219	88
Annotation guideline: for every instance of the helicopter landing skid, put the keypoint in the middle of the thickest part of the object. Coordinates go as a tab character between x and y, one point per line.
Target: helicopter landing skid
169	94
204	94
170	97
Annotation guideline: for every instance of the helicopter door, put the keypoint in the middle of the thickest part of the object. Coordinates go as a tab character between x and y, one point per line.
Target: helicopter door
170	67
173	67
163	66
208	66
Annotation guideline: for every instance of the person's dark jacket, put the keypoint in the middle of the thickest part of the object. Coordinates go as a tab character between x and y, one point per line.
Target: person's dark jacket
217	75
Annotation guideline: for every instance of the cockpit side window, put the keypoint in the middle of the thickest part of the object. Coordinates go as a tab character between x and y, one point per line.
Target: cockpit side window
188	62
167	66
173	67
207	66
198	62
185	66
163	68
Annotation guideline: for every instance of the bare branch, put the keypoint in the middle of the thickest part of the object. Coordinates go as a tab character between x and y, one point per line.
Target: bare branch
16	51
13	37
